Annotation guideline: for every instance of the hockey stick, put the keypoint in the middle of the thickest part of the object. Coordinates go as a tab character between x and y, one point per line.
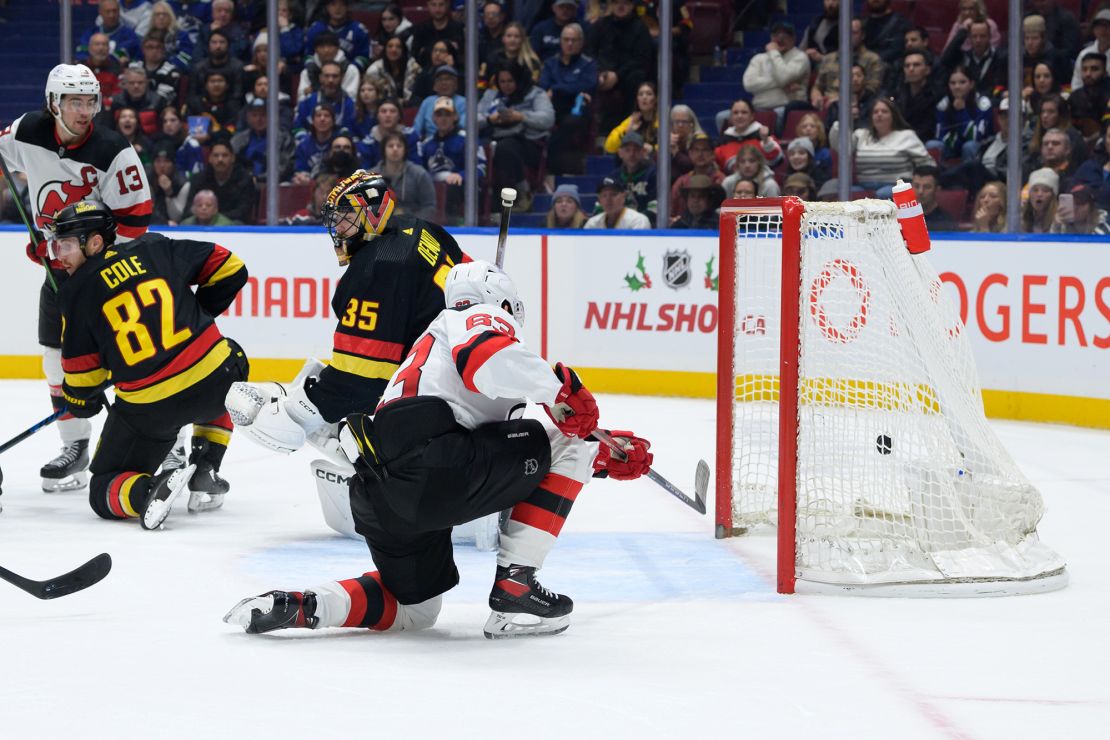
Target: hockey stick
76	580
508	197
34	428
701	475
26	221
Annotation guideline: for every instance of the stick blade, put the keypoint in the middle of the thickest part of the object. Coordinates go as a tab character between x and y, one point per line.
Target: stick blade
77	579
701	484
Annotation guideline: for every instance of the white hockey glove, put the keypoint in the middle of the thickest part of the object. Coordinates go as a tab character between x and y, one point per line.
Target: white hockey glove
264	413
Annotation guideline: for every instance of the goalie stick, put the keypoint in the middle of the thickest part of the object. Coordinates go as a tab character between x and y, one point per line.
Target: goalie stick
77	579
701	475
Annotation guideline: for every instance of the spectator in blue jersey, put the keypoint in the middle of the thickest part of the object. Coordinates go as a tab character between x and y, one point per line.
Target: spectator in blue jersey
354	39
445	84
570	79
223	19
965	118
249	144
312	147
444	154
218	57
290	35
328	94
122	40
179	41
389	122
546	34
187	152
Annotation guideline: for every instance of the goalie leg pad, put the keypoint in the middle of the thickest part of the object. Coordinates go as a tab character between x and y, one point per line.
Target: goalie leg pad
335	498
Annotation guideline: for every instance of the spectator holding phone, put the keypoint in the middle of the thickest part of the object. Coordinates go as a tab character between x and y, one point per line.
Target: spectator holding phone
1077	213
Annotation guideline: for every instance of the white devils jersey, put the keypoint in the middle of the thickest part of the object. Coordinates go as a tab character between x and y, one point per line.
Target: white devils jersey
472	359
102	166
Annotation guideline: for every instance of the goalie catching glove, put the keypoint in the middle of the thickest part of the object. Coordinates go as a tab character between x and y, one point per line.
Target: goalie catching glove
637	458
274	419
575	410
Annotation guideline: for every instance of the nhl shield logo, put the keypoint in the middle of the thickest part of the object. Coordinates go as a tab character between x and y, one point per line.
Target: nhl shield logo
676	269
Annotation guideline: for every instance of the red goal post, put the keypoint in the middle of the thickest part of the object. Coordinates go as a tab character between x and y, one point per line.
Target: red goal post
849	414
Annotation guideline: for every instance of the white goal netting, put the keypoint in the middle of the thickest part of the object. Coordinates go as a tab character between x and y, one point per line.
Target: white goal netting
899	477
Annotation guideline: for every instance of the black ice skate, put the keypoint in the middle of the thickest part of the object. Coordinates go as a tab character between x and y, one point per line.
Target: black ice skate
275	610
164	488
69	470
206	488
522	607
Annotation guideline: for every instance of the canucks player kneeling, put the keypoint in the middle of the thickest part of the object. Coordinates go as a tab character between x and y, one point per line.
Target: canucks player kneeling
444	448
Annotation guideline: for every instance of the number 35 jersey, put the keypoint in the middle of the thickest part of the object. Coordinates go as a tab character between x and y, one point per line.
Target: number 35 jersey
472	358
131	317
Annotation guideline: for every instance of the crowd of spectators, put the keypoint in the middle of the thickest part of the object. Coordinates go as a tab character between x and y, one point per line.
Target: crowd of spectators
186	82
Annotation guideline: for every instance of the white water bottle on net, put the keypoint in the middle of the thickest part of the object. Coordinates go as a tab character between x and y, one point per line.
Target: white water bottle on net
851	418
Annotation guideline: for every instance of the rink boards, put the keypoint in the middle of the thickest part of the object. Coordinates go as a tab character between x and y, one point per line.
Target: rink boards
636	312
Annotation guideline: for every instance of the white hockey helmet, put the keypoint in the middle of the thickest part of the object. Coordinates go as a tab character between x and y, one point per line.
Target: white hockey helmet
470	283
70	79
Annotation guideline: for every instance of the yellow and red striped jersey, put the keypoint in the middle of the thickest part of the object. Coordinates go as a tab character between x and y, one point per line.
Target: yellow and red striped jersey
390	292
131	318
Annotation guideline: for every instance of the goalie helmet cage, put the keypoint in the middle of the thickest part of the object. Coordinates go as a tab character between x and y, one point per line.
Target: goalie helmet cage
849	414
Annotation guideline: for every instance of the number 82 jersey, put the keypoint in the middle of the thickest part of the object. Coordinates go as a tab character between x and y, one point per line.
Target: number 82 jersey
131	317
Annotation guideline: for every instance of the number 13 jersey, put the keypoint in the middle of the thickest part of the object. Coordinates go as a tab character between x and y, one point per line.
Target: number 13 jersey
473	359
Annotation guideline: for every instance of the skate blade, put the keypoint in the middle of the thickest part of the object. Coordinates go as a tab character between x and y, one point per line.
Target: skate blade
76	482
501	625
242	613
157	511
200	501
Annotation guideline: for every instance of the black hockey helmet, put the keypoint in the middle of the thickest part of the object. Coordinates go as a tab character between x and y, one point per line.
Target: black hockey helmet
84	219
360	205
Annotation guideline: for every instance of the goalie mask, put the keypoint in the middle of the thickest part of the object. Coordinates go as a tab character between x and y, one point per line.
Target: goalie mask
480	282
82	220
70	79
358	209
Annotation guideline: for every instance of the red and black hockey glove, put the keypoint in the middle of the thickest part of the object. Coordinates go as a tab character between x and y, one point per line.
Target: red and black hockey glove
575	410
39	254
637	460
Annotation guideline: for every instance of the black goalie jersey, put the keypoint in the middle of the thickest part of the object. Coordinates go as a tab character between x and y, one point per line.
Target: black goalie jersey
132	319
390	292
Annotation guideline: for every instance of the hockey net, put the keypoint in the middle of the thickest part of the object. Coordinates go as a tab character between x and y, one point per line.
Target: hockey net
850	413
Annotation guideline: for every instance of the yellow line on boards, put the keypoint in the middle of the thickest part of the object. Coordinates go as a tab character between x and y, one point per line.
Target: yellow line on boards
1042	407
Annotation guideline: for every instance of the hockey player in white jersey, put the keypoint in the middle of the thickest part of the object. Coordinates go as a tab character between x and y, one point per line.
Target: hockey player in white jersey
66	160
447	445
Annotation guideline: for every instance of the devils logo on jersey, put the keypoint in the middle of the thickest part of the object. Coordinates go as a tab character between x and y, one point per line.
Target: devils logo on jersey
55	195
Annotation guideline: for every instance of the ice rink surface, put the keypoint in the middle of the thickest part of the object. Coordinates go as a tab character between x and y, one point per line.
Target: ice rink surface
674	634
